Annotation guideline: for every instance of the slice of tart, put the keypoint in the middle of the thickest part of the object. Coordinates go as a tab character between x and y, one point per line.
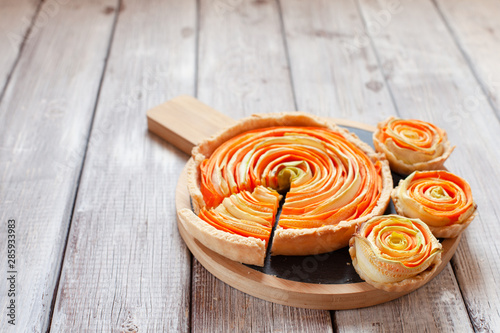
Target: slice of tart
332	181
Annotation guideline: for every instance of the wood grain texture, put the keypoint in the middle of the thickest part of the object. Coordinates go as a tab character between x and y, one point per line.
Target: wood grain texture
242	69
218	307
16	17
431	308
476	29
430	79
45	119
347	54
334	69
126	268
242	65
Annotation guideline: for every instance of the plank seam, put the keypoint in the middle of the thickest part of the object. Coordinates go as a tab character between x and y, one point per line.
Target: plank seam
471	318
287	53
372	44
377	56
495	112
21	49
75	196
196	76
468	60
335	327
191	288
197	49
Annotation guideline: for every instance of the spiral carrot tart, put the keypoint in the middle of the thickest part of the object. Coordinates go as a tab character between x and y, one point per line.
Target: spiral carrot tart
439	198
412	144
395	253
331	181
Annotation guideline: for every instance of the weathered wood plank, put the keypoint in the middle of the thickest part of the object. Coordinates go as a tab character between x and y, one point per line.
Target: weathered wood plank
45	119
476	29
341	48
16	17
432	308
334	70
243	70
126	268
242	66
217	307
430	79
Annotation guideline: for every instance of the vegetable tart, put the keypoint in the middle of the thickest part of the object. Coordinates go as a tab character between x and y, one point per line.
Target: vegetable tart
328	180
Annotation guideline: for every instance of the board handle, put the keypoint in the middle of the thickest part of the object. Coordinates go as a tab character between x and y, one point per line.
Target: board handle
184	121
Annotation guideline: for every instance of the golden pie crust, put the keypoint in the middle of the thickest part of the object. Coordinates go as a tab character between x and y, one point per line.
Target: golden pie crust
397	161
450	231
286	241
408	284
387	267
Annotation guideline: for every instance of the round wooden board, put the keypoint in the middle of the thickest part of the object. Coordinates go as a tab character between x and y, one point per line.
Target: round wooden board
326	296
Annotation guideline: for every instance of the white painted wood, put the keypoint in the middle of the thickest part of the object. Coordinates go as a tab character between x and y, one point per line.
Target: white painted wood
331	39
16	18
476	29
242	65
126	268
45	118
334	69
431	308
218	307
430	79
243	70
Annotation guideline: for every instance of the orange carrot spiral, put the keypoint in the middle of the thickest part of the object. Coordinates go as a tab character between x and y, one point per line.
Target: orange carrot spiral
411	145
390	248
439	198
328	178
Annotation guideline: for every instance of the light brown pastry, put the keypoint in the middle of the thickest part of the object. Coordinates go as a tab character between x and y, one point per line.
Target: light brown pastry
412	145
354	180
439	198
394	253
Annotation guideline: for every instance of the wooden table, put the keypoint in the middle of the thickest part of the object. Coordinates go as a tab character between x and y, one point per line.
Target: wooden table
92	192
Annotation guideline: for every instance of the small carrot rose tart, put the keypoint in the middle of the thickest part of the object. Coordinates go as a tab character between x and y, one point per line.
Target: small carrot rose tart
439	198
394	253
412	145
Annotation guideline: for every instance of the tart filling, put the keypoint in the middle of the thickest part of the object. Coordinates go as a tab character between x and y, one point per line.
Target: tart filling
394	253
412	145
332	181
439	198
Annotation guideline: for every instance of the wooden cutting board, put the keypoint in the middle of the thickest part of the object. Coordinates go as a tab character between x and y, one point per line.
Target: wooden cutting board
326	281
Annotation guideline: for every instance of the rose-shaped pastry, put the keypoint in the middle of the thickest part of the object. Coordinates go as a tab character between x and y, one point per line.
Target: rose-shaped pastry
412	145
439	198
395	253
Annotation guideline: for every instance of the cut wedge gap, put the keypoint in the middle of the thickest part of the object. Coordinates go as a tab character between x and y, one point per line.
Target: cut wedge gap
267	260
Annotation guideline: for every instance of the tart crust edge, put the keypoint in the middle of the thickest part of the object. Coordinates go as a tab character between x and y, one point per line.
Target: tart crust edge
286	241
399	166
406	285
248	250
449	231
